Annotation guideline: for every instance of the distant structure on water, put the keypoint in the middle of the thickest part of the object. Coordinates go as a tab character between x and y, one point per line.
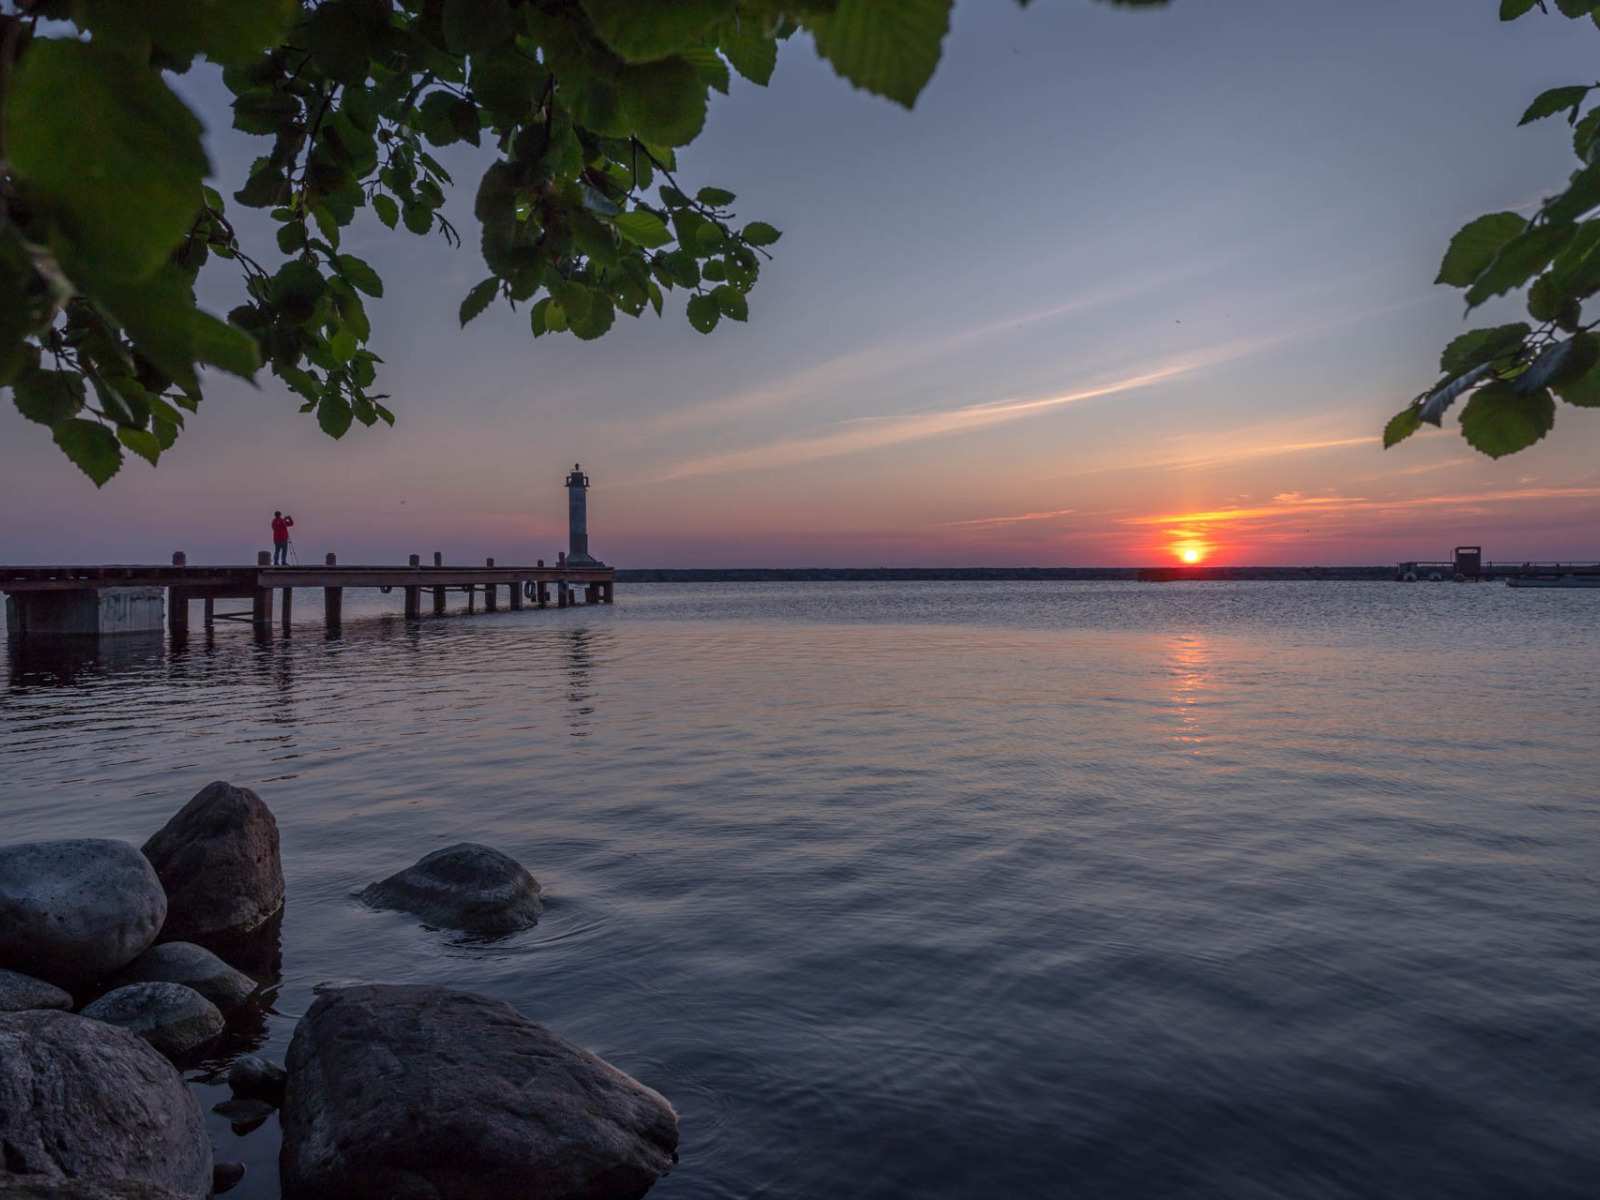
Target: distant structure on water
578	520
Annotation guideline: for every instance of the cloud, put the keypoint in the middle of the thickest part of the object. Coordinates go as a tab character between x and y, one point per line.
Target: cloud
1033	516
1294	504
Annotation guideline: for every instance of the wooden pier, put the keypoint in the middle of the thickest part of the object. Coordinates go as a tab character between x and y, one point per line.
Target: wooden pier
127	599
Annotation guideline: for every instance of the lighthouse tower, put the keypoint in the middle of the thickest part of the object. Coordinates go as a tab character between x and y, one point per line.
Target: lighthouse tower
578	520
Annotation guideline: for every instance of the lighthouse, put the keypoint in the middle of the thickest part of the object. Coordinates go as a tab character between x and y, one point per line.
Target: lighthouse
578	520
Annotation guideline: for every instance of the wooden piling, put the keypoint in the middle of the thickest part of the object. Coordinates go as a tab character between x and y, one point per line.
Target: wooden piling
543	589
261	609
288	607
606	595
413	603
332	606
516	595
178	611
211	613
491	598
438	599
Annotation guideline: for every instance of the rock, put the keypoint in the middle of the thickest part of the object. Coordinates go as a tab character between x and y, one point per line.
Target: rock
226	1176
244	1115
218	860
257	1078
83	1099
72	912
172	1018
467	887
44	1187
19	992
422	1091
194	967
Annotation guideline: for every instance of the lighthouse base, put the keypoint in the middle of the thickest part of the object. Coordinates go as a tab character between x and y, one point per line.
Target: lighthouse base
583	560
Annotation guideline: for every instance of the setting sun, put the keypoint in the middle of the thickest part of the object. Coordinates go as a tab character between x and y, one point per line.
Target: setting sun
1191	556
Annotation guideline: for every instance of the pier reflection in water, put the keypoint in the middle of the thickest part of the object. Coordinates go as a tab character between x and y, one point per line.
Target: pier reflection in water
943	890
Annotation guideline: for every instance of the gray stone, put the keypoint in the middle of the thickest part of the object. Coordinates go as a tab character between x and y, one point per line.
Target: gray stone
467	887
193	966
43	1187
82	1099
218	860
244	1114
73	912
172	1018
257	1078
226	1176
19	992
406	1091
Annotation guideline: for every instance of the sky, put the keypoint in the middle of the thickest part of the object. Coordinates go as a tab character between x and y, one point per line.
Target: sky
1124	284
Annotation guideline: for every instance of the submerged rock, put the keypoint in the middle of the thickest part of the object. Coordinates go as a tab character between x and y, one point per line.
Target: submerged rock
75	911
218	860
244	1115
423	1091
172	1018
256	1078
467	887
19	992
83	1099
194	967
226	1176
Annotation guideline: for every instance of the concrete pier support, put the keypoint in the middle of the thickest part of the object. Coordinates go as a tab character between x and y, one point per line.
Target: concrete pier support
98	612
607	590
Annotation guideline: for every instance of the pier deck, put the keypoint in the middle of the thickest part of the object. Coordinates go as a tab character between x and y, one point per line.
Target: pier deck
73	599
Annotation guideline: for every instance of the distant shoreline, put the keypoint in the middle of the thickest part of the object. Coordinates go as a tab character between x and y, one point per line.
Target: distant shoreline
987	574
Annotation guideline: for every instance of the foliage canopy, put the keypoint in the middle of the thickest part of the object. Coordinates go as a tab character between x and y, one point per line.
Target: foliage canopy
106	215
1512	373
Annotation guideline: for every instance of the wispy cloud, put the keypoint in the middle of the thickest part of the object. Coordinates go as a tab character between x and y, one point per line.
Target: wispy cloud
1033	516
1293	504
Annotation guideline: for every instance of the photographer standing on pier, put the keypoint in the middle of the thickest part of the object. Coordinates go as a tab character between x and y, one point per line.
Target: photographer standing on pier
280	539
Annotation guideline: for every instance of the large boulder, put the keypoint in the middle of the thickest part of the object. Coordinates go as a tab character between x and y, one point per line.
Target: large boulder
409	1091
172	1018
75	911
193	966
467	887
19	992
86	1100
44	1187
218	860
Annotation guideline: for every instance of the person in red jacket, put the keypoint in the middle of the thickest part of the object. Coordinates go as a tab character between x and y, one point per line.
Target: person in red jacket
280	539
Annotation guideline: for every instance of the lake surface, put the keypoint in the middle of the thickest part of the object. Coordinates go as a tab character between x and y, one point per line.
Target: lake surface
944	890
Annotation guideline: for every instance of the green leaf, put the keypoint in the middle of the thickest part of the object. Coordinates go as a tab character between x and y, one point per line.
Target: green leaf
476	26
731	302
479	298
48	397
704	313
334	414
225	31
653	31
1481	346
596	320
751	54
143	443
714	197
1560	363
296	288
92	448
1474	247
1555	100
1583	392
226	346
292	237
1582	194
1498	421
418	217
665	102
105	143
388	211
759	233
343	346
1510	10
643	228
890	47
359	274
1518	260
1402	425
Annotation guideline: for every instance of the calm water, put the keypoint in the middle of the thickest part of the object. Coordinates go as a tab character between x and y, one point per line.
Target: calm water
946	890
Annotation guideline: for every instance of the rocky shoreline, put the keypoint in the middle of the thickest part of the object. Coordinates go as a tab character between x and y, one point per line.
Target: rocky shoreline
119	966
